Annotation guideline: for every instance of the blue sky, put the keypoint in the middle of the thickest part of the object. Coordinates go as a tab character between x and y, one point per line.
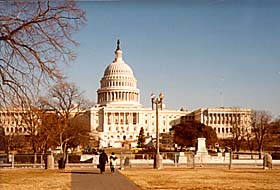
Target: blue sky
190	50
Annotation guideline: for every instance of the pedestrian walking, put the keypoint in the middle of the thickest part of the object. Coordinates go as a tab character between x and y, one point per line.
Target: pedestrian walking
113	162
103	159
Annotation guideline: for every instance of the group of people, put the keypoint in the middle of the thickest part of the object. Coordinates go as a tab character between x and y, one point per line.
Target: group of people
103	160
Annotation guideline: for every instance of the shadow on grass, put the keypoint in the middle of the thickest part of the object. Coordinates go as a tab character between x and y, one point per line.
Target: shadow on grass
85	172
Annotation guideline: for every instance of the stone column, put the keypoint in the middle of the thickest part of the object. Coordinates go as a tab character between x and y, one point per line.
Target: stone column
201	153
201	145
49	162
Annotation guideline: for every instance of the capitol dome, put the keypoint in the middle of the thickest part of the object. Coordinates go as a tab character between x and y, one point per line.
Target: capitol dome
118	84
118	68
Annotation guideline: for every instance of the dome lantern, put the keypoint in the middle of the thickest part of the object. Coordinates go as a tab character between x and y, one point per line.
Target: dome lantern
118	53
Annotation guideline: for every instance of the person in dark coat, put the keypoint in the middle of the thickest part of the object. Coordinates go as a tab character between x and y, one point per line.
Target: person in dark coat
103	159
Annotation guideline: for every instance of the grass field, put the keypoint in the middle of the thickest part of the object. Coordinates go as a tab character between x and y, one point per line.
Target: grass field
204	178
169	178
34	180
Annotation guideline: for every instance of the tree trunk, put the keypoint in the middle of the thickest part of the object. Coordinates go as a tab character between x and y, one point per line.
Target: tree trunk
64	155
260	153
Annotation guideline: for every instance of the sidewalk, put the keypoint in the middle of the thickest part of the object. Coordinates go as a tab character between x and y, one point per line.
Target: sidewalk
91	179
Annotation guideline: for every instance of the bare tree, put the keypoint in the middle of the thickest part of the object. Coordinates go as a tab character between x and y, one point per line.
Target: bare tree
274	135
46	131
238	132
68	104
250	141
35	37
31	119
3	140
79	129
260	128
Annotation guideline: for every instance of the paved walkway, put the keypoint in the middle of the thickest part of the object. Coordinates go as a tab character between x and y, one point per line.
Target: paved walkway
91	179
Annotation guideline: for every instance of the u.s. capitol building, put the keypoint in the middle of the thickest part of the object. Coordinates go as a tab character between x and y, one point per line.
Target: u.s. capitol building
119	115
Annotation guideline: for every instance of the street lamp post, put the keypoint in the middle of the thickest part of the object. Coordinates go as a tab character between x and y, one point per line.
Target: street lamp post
158	104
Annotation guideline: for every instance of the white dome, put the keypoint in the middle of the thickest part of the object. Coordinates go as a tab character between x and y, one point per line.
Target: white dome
118	68
118	86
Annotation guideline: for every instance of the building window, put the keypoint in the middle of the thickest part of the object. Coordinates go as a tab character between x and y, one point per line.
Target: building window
122	117
134	118
116	118
109	119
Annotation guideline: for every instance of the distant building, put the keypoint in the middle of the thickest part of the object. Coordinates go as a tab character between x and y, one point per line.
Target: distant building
221	119
12	121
